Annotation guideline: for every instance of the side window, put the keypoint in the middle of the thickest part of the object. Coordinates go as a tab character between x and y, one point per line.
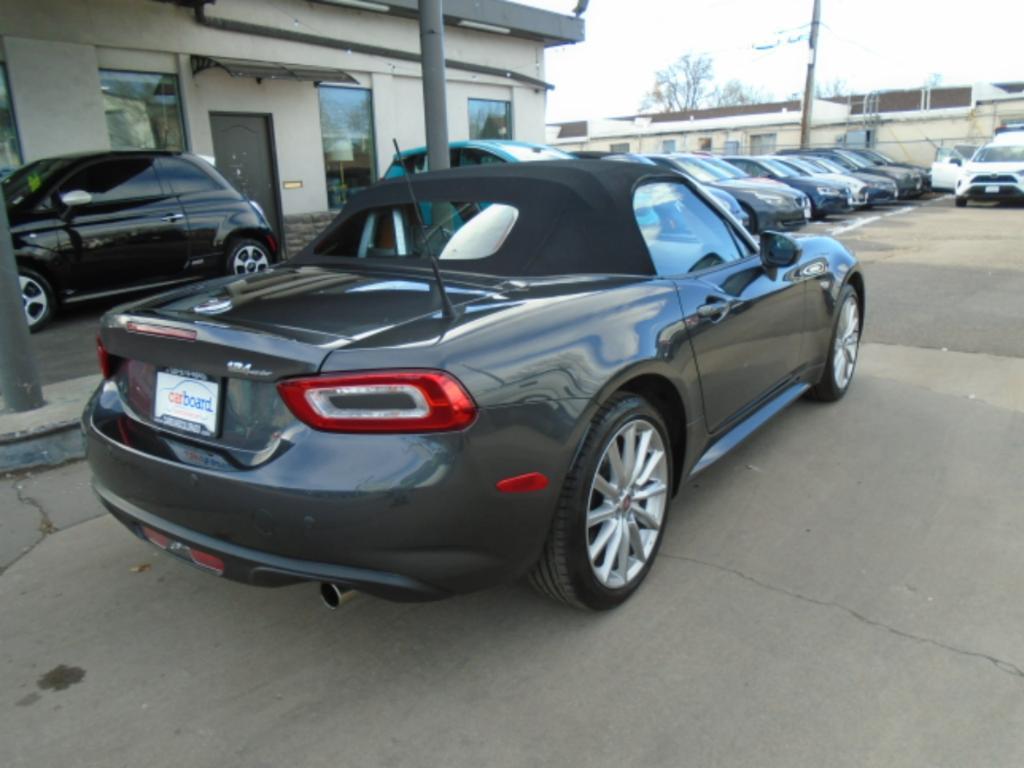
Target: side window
470	156
748	167
115	180
943	154
184	178
683	234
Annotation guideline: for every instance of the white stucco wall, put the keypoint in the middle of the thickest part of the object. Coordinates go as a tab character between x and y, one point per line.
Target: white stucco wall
54	49
44	75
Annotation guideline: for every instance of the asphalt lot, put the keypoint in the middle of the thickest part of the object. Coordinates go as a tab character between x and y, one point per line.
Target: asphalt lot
842	590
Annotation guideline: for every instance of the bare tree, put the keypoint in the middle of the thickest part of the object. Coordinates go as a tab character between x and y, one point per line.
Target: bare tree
682	85
734	92
832	88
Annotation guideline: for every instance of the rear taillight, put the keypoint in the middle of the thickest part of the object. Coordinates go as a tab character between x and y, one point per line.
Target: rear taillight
272	243
108	363
387	401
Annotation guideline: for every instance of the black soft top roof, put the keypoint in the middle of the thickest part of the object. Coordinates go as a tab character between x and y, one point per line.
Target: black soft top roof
575	216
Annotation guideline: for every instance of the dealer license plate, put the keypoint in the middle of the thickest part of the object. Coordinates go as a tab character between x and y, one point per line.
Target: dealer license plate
187	401
992	189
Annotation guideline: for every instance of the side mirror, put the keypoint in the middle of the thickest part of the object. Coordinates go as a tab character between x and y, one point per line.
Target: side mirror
75	198
778	250
955	161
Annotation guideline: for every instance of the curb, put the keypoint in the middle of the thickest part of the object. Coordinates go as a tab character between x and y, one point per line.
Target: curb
46	447
50	435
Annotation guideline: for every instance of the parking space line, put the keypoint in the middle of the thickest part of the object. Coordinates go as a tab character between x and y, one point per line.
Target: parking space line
894	212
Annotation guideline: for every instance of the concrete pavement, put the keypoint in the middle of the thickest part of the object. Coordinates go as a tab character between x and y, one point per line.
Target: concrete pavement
840	591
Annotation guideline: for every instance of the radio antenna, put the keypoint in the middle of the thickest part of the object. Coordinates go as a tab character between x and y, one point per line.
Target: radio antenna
447	310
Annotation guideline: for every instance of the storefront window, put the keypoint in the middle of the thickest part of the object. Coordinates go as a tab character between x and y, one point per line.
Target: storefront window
10	152
143	110
346	124
490	119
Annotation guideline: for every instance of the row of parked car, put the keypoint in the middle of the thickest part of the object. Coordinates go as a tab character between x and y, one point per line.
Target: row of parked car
764	192
110	223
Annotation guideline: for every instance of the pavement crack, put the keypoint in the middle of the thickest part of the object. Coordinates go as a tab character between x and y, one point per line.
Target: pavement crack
46	526
1002	665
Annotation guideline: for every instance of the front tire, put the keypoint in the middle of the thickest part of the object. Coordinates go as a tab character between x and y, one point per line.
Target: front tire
960	202
611	514
246	256
37	299
844	348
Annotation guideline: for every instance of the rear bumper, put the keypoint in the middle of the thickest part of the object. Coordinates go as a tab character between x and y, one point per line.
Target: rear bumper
264	569
402	516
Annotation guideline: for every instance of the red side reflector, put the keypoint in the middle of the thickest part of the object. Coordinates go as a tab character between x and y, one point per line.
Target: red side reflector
208	561
104	359
531	481
272	242
155	537
167	331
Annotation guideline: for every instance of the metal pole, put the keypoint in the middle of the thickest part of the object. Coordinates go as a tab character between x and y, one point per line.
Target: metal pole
435	103
805	118
19	379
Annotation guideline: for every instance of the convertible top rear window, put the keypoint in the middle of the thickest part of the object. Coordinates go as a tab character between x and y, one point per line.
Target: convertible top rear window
451	231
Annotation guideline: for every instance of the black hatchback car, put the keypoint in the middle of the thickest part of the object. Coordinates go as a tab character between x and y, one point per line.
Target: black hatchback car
99	224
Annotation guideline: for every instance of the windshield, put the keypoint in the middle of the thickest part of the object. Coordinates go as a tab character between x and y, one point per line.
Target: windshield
695	169
884	158
29	179
804	164
781	169
525	154
855	161
1000	153
827	164
730	171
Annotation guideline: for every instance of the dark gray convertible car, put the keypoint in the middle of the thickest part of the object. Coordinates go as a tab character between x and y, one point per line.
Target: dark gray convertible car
602	333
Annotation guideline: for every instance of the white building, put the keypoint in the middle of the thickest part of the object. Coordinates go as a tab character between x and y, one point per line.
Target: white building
909	124
297	100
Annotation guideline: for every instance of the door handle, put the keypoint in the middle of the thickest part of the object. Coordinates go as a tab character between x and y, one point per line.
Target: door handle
170	217
715	310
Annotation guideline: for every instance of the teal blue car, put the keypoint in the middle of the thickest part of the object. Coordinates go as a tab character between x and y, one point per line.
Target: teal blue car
477	152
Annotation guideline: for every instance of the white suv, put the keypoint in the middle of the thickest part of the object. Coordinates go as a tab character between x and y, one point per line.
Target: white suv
996	172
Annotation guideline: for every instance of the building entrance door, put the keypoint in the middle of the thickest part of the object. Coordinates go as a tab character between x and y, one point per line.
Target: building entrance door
244	150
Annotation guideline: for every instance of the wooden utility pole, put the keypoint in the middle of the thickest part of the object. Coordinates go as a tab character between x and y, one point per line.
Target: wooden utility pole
805	117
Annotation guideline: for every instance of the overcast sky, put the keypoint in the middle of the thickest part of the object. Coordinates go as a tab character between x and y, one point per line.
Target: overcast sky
872	44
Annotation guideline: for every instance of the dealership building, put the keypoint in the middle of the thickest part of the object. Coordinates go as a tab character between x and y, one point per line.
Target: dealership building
296	101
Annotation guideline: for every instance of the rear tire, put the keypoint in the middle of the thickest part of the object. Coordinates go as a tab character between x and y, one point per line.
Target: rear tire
246	256
37	298
843	349
611	514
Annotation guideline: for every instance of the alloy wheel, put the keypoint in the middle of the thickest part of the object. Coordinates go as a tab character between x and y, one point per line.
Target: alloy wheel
627	503
844	352
34	300
249	259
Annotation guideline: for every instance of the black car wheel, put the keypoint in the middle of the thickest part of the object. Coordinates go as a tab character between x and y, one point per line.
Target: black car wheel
611	514
843	350
246	256
36	298
961	202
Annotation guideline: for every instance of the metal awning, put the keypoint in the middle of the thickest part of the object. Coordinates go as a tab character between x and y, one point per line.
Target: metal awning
270	70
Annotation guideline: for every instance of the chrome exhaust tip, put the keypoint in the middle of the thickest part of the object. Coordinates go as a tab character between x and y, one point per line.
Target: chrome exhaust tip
333	596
